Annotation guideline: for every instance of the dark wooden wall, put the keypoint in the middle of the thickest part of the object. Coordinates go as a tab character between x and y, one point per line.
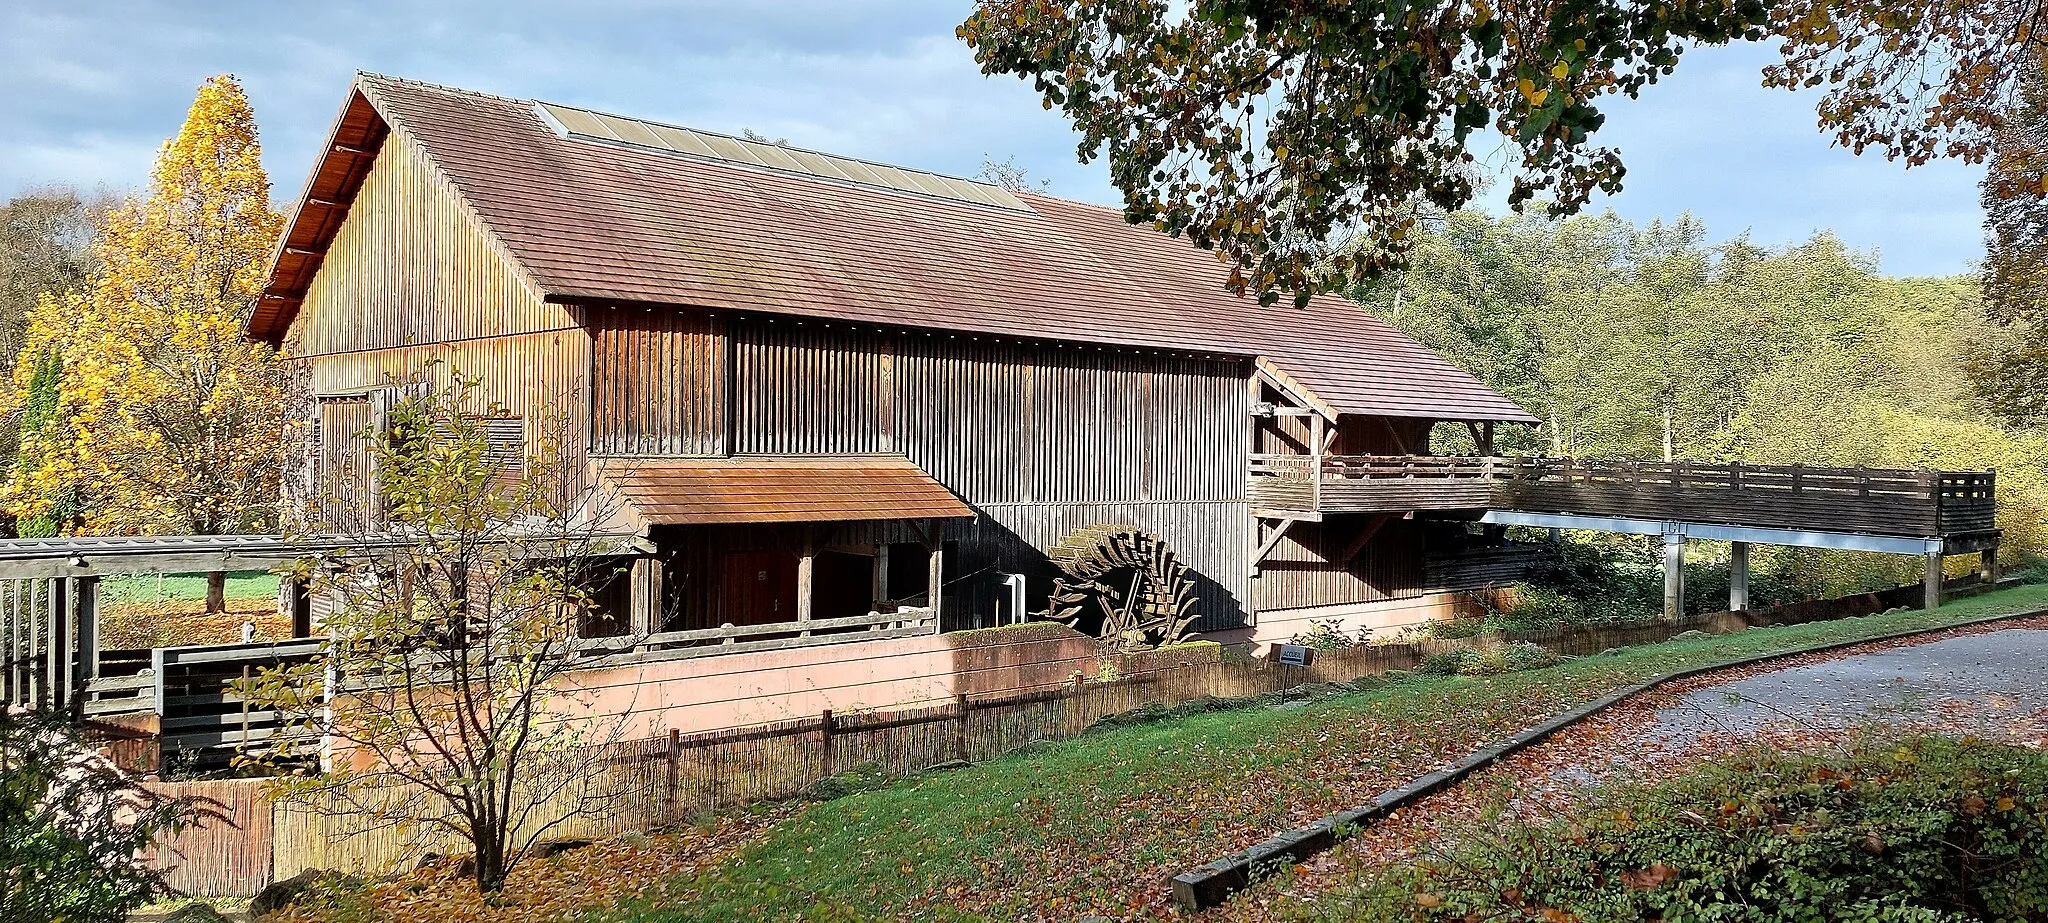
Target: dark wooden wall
1041	439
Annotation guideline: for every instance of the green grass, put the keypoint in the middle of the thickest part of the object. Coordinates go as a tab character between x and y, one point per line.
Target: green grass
1094	825
248	584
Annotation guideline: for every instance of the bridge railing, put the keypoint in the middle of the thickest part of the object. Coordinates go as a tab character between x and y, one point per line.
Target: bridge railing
1905	501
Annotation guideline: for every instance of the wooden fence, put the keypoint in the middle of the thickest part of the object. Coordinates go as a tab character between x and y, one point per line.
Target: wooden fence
648	784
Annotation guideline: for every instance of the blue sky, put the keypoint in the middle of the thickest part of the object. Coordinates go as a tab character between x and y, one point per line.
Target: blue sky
89	89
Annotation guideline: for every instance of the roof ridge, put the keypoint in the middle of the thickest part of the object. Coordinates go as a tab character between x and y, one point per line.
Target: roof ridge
443	87
775	143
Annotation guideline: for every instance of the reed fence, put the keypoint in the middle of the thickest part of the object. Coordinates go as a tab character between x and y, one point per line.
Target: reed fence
649	784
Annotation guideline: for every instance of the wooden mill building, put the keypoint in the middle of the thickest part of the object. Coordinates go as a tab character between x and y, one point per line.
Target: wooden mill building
801	369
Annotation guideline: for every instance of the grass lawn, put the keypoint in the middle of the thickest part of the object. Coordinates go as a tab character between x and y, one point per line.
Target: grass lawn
145	588
1095	825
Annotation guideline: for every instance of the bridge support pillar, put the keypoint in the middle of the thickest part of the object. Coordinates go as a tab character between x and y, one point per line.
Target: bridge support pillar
1674	575
1738	576
1931	588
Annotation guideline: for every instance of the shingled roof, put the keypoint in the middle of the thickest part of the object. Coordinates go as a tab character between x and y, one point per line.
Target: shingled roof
607	220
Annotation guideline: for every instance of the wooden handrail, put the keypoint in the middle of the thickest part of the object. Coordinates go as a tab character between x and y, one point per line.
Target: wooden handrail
1948	486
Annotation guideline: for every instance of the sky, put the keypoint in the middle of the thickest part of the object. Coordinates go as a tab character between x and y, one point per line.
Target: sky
88	90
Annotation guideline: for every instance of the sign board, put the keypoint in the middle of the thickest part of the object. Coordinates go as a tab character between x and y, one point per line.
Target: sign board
1294	655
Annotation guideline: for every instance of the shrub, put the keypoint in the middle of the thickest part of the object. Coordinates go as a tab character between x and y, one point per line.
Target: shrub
1535	608
1329	635
1505	658
74	827
1917	828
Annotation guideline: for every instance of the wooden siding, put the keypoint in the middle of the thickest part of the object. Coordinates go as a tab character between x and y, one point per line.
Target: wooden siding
539	378
411	265
1298	572
996	421
658	384
1041	439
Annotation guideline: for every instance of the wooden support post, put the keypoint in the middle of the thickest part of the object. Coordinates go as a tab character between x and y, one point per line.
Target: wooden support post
935	579
301	609
644	581
881	591
1738	576
1931	587
1315	462
806	565
1987	564
88	645
1674	576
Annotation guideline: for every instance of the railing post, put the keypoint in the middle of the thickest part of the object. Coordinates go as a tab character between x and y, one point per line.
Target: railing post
1315	465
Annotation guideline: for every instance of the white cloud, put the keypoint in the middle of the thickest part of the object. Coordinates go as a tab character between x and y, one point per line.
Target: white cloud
93	89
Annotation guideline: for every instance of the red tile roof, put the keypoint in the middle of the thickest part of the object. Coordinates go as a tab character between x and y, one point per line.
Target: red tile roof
838	488
610	222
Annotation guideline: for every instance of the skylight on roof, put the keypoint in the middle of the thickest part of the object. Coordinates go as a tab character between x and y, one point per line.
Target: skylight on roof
583	124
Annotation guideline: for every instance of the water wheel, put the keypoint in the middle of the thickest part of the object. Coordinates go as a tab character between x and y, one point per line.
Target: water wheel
1124	584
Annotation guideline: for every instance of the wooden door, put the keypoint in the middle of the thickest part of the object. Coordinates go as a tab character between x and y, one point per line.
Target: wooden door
756	587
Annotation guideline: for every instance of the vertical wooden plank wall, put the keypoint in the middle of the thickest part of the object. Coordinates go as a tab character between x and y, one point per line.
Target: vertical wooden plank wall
659	382
413	276
1307	567
1042	439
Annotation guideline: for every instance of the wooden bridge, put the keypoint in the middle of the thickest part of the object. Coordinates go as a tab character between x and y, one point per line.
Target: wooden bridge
1920	512
1875	501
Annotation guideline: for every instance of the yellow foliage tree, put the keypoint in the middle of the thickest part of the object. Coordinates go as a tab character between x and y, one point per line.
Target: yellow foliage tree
166	420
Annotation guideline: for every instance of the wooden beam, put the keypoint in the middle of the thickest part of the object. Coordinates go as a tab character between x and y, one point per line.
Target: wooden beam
1266	548
1394	435
1365	535
1930	588
1305	516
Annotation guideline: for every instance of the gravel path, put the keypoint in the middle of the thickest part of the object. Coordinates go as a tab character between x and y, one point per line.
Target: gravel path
1990	683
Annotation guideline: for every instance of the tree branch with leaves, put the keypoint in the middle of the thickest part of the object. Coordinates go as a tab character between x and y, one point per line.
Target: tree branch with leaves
440	700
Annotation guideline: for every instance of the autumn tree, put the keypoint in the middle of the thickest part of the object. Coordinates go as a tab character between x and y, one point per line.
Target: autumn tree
165	419
1301	140
439	702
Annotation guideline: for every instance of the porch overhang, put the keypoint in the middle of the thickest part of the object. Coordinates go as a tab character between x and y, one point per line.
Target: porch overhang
778	489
